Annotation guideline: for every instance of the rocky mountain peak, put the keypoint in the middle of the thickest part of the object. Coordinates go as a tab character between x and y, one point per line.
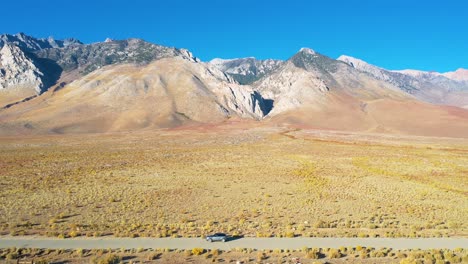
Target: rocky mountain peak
186	54
310	60
307	51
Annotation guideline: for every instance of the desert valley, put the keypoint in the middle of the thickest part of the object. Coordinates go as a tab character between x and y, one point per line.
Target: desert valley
126	138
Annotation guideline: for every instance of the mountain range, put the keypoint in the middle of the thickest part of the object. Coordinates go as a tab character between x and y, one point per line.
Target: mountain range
65	86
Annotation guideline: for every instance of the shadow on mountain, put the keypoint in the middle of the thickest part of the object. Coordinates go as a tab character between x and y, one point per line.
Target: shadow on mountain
52	72
18	102
266	105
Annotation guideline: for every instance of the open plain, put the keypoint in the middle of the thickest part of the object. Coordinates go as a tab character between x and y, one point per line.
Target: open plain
243	179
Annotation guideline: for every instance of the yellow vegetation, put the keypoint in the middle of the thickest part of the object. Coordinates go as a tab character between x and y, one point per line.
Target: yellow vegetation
255	182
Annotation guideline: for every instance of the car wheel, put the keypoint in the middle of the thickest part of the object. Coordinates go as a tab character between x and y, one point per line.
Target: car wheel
210	240
224	240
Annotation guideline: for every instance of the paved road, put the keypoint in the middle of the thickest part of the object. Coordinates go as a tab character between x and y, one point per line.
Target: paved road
256	243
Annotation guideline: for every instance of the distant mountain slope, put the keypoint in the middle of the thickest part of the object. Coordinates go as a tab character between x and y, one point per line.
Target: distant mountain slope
458	75
427	86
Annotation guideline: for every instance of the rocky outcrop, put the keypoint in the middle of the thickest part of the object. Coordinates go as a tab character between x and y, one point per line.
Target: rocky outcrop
292	87
87	58
246	70
30	44
17	69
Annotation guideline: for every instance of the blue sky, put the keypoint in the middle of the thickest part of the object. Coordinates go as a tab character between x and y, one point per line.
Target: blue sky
427	35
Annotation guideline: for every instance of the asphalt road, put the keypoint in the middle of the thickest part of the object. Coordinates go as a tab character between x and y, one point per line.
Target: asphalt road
254	243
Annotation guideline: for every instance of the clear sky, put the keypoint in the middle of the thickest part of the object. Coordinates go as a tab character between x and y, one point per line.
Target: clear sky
394	34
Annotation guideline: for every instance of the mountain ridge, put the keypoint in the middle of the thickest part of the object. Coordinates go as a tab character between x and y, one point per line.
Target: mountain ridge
121	85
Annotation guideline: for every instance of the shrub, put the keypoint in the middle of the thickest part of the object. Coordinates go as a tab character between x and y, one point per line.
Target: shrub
12	255
334	253
401	255
79	252
320	224
313	253
198	251
408	260
110	259
260	256
363	235
214	252
343	249
380	254
153	256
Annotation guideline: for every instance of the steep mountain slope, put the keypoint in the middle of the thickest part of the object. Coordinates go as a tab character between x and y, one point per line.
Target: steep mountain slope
427	86
165	93
20	76
312	90
17	69
45	63
246	70
308	78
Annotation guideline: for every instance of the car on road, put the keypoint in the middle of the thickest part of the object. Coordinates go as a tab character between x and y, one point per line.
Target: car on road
217	237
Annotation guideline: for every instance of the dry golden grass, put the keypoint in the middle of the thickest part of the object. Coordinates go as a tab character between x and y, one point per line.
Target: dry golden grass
306	255
255	182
